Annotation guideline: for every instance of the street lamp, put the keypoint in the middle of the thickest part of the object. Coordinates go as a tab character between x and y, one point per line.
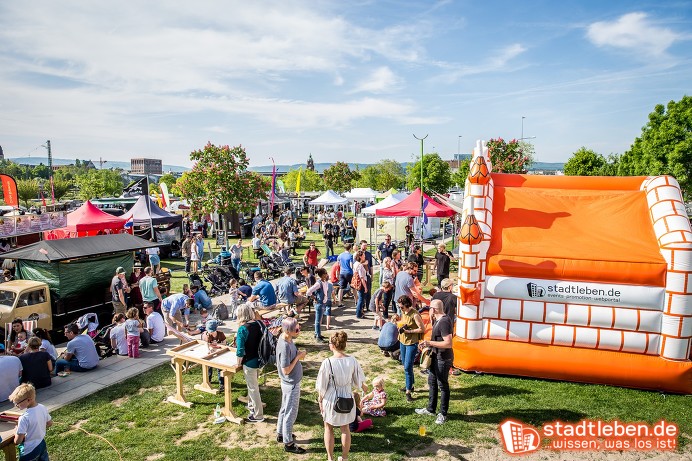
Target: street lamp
421	183
522	127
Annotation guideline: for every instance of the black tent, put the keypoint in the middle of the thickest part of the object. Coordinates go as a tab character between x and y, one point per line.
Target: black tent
140	213
62	249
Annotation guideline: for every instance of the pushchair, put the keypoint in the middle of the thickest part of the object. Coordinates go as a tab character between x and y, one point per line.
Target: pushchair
88	324
219	277
269	263
196	281
102	341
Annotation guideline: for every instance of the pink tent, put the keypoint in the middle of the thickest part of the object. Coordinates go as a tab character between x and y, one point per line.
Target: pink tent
411	205
86	221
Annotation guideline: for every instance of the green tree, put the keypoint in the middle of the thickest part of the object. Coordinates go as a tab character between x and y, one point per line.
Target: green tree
459	177
169	180
310	181
220	181
436	175
10	168
391	175
664	146
585	162
99	183
510	157
612	165
27	189
339	177
40	171
60	188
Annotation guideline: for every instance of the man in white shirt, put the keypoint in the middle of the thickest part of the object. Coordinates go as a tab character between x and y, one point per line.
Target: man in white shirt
118	335
155	324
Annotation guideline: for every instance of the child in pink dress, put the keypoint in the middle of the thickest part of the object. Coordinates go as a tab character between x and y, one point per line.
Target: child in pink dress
374	402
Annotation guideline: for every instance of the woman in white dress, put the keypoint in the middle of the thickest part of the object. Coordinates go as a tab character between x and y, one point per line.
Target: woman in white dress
347	375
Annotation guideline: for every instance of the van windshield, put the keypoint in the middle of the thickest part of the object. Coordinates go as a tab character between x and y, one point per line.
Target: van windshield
7	298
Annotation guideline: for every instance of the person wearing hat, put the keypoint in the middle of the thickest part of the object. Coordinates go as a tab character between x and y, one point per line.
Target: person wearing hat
118	290
135	293
214	339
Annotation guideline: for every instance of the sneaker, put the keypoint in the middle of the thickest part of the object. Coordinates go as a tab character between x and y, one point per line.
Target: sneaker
424	411
293	448
409	398
222	388
340	305
375	327
386	353
403	389
254	419
319	340
322	338
441	419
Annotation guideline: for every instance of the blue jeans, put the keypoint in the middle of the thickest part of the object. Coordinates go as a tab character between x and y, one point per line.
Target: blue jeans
362	296
408	353
235	262
72	364
319	312
40	453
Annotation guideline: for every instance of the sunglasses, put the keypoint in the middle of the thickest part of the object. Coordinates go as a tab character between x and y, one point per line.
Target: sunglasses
20	402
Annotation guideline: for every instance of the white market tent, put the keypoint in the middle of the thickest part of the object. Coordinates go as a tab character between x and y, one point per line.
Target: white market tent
329	198
392	199
361	193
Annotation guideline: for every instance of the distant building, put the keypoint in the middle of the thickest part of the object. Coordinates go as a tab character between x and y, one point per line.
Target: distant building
146	166
311	164
2	156
458	159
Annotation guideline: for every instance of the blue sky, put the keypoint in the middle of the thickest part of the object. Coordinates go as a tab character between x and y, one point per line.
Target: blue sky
341	80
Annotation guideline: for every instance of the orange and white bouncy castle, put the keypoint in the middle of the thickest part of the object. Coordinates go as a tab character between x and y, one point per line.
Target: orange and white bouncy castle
575	278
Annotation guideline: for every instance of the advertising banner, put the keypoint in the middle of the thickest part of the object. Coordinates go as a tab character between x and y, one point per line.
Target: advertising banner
569	292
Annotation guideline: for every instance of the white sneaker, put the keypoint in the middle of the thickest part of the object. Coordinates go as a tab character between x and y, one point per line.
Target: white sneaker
441	419
424	411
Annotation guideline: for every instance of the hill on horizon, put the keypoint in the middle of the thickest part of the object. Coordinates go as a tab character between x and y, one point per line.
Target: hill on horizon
320	167
106	164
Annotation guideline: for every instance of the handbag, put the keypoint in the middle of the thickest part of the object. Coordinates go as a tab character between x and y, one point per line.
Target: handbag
342	404
356	282
426	356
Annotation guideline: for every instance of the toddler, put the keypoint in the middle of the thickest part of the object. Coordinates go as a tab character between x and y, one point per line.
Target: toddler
32	424
20	345
359	424
133	327
374	402
235	297
201	326
186	311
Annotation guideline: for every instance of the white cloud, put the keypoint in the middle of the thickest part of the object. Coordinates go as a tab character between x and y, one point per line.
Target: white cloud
632	32
498	62
382	80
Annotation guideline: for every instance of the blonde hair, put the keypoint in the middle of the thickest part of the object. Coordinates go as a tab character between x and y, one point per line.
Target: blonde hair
132	313
23	392
378	382
34	343
356	399
245	313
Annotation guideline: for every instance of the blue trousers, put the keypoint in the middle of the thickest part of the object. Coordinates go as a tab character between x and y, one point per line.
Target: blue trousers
362	296
72	364
408	353
235	262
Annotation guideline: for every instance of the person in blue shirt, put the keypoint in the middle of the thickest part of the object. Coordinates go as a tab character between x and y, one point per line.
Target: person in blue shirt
80	355
264	291
287	291
202	299
244	290
345	260
173	306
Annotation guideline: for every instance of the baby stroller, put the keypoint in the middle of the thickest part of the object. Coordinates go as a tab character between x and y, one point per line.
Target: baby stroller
269	263
102	340
196	281
87	324
219	277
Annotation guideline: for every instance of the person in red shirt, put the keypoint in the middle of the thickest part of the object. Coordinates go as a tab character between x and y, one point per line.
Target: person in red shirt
334	278
311	257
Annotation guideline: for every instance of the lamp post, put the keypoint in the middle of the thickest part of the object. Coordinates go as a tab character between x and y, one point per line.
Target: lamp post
421	183
522	127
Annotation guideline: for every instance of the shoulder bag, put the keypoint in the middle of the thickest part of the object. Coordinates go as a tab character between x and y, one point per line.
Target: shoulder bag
342	404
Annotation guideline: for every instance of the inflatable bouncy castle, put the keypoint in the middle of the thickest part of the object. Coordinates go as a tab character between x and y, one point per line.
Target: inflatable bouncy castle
584	279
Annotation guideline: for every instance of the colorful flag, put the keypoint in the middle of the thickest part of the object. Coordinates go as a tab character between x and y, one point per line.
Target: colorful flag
165	198
9	190
271	207
137	188
298	182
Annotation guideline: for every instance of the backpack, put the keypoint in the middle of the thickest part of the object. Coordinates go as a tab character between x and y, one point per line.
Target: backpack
266	351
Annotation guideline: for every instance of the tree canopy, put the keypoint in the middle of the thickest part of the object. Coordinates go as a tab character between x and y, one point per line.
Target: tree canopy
220	181
436	175
339	177
510	157
664	146
585	162
99	183
384	175
310	181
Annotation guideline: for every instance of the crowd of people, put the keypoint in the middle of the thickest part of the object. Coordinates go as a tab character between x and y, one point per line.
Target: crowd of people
143	311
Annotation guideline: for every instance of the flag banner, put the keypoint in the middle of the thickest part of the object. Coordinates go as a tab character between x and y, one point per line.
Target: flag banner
298	182
52	191
165	198
271	207
140	187
9	190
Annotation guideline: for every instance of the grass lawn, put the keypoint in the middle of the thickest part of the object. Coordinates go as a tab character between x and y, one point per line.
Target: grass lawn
135	419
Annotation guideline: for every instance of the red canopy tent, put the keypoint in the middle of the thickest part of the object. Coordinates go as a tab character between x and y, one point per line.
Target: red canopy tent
411	205
87	221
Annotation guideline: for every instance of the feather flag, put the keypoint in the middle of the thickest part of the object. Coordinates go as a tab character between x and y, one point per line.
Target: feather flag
271	207
165	198
298	182
9	190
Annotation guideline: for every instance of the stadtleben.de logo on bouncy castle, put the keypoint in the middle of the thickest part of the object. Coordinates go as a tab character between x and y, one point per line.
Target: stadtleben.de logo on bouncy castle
588	435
